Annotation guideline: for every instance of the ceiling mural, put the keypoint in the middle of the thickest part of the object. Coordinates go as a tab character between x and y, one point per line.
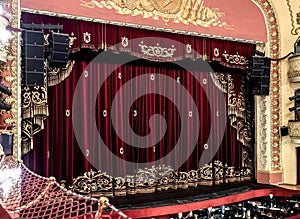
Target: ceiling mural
225	19
185	11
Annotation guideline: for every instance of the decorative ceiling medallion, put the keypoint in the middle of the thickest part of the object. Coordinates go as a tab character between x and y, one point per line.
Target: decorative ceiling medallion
184	11
157	51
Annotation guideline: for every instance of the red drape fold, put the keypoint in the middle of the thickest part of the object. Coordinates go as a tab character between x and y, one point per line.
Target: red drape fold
96	36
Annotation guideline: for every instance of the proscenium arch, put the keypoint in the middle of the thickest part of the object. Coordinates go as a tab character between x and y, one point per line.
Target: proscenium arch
267	8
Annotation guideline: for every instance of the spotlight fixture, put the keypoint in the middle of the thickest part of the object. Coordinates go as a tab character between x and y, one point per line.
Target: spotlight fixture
296	97
296	108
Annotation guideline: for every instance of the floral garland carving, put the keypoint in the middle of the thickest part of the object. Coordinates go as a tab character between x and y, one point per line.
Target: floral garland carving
157	51
235	59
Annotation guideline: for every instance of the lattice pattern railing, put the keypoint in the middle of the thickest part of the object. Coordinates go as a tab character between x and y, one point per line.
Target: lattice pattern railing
25	194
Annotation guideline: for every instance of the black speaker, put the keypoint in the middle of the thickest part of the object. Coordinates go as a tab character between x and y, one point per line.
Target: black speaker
284	131
33	58
260	75
260	85
58	49
6	141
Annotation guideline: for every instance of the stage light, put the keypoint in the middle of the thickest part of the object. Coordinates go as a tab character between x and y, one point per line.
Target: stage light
296	97
296	108
297	46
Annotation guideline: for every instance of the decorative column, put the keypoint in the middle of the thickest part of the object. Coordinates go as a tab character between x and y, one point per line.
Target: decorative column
10	69
267	142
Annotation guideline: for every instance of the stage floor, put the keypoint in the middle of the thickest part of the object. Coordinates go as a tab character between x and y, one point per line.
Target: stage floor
184	200
180	196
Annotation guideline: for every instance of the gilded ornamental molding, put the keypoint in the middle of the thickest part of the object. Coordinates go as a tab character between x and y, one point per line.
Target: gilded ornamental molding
263	134
185	11
294	16
157	178
294	68
294	131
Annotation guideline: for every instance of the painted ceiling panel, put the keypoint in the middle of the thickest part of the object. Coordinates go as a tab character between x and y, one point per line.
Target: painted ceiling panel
238	19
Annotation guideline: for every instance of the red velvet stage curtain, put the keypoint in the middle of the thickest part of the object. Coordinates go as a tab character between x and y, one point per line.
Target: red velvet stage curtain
56	150
60	156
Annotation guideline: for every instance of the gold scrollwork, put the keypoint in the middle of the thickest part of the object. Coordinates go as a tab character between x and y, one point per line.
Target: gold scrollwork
96	183
157	51
72	38
185	11
235	59
156	178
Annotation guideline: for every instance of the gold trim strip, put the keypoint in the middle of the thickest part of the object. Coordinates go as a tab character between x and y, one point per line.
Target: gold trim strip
98	20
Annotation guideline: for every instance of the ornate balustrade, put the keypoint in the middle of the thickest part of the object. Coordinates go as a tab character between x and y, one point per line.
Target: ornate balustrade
155	179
